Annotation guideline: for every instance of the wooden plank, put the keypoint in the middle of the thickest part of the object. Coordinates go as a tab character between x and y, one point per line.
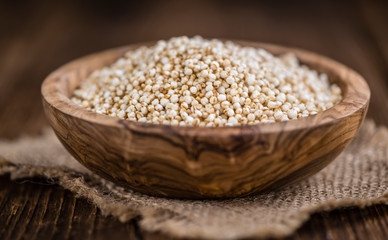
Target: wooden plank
16	209
48	223
110	227
347	223
83	220
375	16
35	210
32	214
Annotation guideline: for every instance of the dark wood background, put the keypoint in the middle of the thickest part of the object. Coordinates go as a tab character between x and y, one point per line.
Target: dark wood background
38	36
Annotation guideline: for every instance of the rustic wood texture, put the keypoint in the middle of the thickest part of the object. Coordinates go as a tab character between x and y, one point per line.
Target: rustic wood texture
202	162
50	212
39	36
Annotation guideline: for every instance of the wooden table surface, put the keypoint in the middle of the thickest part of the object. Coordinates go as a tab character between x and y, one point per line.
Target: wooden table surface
37	37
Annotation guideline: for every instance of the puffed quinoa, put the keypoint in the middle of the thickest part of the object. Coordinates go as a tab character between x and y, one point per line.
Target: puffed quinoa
198	82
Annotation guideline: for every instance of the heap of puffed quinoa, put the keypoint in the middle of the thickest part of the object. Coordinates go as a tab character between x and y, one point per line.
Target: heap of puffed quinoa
198	82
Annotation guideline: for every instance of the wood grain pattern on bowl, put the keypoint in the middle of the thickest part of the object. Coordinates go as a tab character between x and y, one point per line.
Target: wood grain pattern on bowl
201	162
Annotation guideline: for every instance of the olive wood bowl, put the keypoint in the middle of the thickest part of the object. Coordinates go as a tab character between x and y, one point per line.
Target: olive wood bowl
204	162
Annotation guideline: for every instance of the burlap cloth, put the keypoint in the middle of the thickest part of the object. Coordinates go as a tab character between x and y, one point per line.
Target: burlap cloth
358	177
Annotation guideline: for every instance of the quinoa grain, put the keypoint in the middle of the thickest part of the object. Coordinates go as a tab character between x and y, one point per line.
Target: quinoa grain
198	82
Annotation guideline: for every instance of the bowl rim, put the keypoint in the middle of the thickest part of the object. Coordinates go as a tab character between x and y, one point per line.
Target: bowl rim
355	97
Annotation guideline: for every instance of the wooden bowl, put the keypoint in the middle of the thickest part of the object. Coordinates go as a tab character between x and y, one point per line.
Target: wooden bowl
204	162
